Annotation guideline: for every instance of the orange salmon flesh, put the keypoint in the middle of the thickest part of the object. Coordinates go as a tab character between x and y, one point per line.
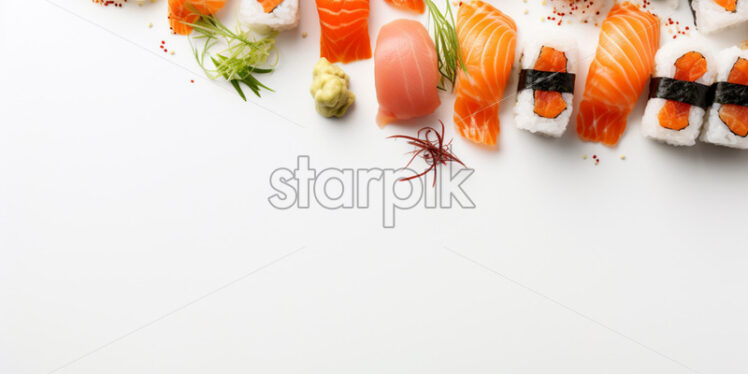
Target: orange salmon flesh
549	104
345	30
674	114
623	63
488	39
729	5
269	5
416	6
736	116
182	12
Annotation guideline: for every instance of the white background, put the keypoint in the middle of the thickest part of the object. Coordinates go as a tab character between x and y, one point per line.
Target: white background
136	236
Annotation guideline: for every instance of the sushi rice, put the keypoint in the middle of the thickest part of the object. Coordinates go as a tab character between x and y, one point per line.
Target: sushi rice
710	17
665	67
715	131
524	114
284	17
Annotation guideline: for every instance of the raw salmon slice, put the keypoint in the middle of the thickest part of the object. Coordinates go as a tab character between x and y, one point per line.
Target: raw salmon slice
417	6
736	116
550	104
629	39
487	41
268	5
674	114
729	5
345	30
406	72
183	12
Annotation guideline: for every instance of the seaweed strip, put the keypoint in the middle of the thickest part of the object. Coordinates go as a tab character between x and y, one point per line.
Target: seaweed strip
546	81
730	93
681	91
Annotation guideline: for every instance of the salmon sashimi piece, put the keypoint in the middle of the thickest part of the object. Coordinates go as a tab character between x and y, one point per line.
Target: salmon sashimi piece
268	5
629	39
183	12
736	116
674	114
729	5
550	104
207	6
417	6
180	16
487	39
345	30
406	72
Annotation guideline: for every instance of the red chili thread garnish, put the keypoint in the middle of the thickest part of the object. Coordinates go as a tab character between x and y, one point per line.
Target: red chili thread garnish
430	146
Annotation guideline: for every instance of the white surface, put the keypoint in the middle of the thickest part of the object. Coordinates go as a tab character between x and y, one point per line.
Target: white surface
126	193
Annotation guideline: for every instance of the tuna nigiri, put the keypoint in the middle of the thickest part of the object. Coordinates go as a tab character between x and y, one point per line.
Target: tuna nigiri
406	72
416	6
629	38
487	41
345	30
183	12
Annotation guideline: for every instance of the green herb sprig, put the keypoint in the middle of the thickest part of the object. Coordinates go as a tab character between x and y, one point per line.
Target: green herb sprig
239	61
447	43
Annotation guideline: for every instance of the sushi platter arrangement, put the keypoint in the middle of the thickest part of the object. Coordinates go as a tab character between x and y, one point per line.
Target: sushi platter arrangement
471	50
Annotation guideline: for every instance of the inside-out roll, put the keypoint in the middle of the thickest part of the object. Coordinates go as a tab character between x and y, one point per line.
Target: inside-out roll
545	90
679	92
727	120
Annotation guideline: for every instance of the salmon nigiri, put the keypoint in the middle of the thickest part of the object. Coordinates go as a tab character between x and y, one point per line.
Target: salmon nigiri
345	30
406	72
629	39
487	41
183	12
416	6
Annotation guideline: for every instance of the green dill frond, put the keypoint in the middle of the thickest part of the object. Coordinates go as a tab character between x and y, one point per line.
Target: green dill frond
446	42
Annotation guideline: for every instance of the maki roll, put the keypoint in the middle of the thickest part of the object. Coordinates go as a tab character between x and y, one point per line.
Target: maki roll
269	15
679	92
713	15
545	90
727	122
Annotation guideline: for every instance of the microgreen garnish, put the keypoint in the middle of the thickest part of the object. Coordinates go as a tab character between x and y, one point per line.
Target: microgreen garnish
447	43
241	59
430	146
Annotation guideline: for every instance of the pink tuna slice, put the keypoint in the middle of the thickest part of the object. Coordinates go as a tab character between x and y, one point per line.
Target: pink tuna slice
406	72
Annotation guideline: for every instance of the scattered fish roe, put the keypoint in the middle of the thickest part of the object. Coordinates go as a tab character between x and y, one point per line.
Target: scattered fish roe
163	47
117	3
673	28
567	10
113	3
